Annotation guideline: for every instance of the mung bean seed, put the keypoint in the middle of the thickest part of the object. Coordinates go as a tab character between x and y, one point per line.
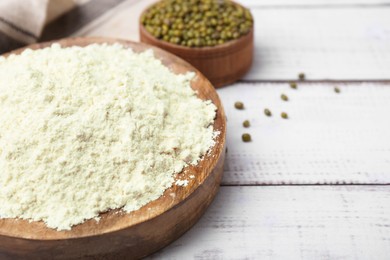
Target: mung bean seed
267	112
246	137
239	105
190	22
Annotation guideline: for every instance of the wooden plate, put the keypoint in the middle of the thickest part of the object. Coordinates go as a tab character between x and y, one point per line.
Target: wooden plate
138	233
222	64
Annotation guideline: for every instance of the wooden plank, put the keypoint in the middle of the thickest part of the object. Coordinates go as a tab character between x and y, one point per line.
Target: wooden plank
120	22
56	8
335	43
329	138
307	222
343	43
85	12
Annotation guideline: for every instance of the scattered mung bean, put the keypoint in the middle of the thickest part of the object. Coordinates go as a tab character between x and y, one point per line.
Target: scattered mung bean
267	112
246	137
239	105
293	85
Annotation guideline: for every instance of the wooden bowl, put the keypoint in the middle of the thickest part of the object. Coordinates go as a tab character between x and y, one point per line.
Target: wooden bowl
136	234
222	64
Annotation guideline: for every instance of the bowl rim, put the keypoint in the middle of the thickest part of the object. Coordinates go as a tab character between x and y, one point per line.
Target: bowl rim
219	146
207	50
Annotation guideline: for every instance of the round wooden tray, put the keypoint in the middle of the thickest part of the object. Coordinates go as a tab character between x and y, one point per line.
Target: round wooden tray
136	234
222	64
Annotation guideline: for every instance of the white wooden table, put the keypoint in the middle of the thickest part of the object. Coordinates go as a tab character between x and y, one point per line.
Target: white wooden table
315	186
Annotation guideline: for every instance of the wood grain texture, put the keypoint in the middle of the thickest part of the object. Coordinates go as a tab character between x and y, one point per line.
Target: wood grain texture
329	138
348	43
140	232
290	222
125	26
326	39
75	18
222	64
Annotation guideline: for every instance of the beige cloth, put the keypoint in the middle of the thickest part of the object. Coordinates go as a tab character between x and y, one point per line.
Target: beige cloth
22	21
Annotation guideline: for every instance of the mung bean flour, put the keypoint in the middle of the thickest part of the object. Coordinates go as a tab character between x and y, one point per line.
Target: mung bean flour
86	130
